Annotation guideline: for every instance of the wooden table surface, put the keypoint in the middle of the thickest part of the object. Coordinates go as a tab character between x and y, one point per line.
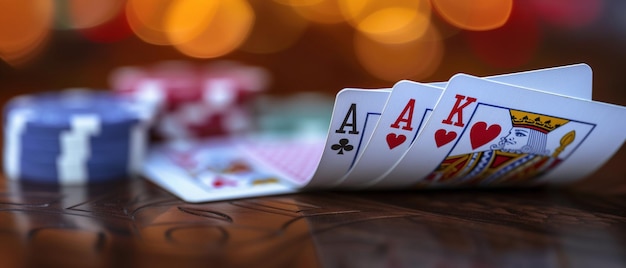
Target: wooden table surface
137	224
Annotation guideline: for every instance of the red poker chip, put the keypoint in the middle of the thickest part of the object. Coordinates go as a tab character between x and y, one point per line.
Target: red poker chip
194	101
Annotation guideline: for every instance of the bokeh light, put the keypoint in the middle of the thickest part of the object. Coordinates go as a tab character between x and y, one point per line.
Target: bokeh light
319	11
297	2
394	25
20	56
24	28
392	62
511	45
392	22
88	14
568	14
209	28
187	19
112	30
356	12
477	15
147	20
502	33
276	28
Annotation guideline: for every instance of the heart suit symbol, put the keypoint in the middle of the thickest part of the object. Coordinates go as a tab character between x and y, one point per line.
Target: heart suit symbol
394	140
443	137
481	134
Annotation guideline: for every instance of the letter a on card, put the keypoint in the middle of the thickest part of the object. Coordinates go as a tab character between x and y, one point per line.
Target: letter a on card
355	116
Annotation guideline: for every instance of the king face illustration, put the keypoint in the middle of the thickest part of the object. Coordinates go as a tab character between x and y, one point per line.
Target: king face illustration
520	155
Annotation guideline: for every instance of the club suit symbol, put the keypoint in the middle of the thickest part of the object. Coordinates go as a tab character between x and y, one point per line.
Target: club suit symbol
341	146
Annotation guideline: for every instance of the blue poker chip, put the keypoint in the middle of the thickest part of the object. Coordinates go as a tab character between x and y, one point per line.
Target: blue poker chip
106	131
90	111
55	174
103	136
93	144
114	156
73	137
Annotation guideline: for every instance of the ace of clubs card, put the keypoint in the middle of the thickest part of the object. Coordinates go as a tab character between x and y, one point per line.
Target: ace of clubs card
355	114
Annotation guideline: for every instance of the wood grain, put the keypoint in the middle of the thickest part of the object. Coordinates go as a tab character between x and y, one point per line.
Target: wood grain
137	224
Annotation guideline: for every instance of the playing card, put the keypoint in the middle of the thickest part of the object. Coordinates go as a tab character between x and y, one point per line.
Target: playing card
411	103
483	132
355	114
211	170
293	158
572	80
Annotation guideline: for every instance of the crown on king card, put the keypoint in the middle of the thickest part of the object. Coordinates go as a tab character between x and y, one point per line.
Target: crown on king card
538	122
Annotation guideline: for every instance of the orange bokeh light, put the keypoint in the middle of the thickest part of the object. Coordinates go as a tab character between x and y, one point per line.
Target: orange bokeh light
22	55
209	28
187	19
24	27
415	60
319	11
356	12
477	15
276	28
392	22
394	25
147	20
87	14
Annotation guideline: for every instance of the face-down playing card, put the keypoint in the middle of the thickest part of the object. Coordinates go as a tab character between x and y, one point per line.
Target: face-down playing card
488	133
411	103
202	171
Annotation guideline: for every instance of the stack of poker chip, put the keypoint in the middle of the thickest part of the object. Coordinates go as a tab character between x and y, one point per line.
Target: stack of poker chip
75	136
194	101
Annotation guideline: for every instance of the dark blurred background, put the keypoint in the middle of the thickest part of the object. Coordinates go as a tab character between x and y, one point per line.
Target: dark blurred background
317	45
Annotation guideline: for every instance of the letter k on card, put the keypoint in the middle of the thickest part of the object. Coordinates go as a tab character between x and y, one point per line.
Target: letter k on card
455	118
